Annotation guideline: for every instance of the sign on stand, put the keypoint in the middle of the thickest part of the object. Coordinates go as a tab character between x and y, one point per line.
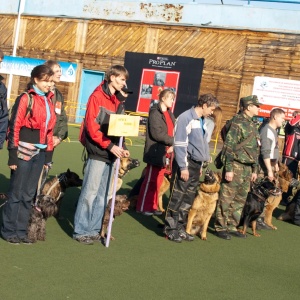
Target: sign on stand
277	92
122	126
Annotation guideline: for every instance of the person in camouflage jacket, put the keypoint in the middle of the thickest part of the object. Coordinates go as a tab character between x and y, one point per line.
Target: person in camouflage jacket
241	163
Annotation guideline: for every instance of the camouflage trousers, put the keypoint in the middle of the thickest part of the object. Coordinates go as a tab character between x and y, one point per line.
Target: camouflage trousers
232	198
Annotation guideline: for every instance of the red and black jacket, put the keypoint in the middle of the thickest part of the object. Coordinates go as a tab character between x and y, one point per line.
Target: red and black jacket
292	139
100	105
31	128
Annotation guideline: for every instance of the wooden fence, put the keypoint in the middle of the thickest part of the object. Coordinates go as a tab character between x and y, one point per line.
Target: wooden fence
232	57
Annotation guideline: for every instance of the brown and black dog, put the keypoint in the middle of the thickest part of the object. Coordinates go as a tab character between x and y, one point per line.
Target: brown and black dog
57	186
257	198
121	205
47	203
284	179
289	213
126	164
204	204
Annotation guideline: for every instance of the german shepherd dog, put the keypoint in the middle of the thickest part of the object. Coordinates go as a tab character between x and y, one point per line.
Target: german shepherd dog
284	181
126	164
261	191
204	204
121	205
47	203
289	213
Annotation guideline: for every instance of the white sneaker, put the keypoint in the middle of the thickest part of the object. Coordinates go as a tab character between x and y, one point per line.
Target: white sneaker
147	213
157	213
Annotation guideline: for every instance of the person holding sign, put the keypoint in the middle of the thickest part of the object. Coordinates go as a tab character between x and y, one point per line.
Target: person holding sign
102	153
157	152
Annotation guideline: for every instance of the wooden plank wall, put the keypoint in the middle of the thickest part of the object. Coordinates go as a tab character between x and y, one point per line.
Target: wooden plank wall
232	57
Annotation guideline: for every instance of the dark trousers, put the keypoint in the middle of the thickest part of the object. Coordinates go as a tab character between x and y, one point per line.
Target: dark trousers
182	196
292	164
22	189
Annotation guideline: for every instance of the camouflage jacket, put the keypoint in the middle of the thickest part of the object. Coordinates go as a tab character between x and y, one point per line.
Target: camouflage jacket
241	128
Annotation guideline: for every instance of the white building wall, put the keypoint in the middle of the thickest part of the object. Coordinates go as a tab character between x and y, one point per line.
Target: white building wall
237	14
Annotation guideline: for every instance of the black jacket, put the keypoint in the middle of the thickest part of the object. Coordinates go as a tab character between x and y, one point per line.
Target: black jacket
61	125
157	138
3	113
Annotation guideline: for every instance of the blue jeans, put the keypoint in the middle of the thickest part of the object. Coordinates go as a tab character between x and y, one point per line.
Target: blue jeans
93	198
22	189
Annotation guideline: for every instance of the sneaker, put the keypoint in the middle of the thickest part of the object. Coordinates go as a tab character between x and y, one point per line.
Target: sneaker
86	240
25	240
260	224
185	236
96	238
147	213
237	234
13	240
223	235
174	237
157	213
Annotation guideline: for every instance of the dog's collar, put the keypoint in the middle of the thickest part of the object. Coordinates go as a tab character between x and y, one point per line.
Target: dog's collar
260	197
209	193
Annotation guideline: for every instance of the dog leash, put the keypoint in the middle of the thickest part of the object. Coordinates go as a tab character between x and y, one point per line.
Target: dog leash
3	203
62	178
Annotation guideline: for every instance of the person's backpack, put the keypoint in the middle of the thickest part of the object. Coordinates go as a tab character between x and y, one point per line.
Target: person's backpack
13	110
220	158
226	128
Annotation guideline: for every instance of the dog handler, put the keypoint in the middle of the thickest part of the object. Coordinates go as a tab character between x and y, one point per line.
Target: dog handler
191	150
157	152
240	166
102	153
30	146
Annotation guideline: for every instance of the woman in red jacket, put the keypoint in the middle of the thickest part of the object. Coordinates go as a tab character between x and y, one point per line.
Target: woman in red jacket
157	152
30	145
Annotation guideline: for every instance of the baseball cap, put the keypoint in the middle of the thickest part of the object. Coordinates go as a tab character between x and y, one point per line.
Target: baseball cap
245	101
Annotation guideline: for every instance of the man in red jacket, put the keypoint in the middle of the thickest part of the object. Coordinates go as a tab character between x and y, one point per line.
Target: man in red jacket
102	150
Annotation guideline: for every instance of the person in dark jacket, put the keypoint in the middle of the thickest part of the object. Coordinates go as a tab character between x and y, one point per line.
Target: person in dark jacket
157	152
3	107
30	146
61	126
102	150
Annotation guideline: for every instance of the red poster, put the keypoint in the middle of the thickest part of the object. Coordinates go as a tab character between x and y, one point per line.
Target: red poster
152	83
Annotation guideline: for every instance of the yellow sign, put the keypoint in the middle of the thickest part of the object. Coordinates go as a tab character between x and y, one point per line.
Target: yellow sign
123	125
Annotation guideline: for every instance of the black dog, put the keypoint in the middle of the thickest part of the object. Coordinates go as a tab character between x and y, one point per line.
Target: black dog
45	207
255	203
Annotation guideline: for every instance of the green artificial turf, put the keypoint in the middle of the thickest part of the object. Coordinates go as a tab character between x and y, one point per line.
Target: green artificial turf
141	263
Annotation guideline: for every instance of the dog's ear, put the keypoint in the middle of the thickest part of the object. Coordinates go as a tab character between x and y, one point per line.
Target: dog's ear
219	176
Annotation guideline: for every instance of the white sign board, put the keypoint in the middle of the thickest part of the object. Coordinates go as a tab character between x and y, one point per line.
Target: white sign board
276	92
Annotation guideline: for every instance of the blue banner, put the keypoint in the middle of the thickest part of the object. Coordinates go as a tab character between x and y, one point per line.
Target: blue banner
22	66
